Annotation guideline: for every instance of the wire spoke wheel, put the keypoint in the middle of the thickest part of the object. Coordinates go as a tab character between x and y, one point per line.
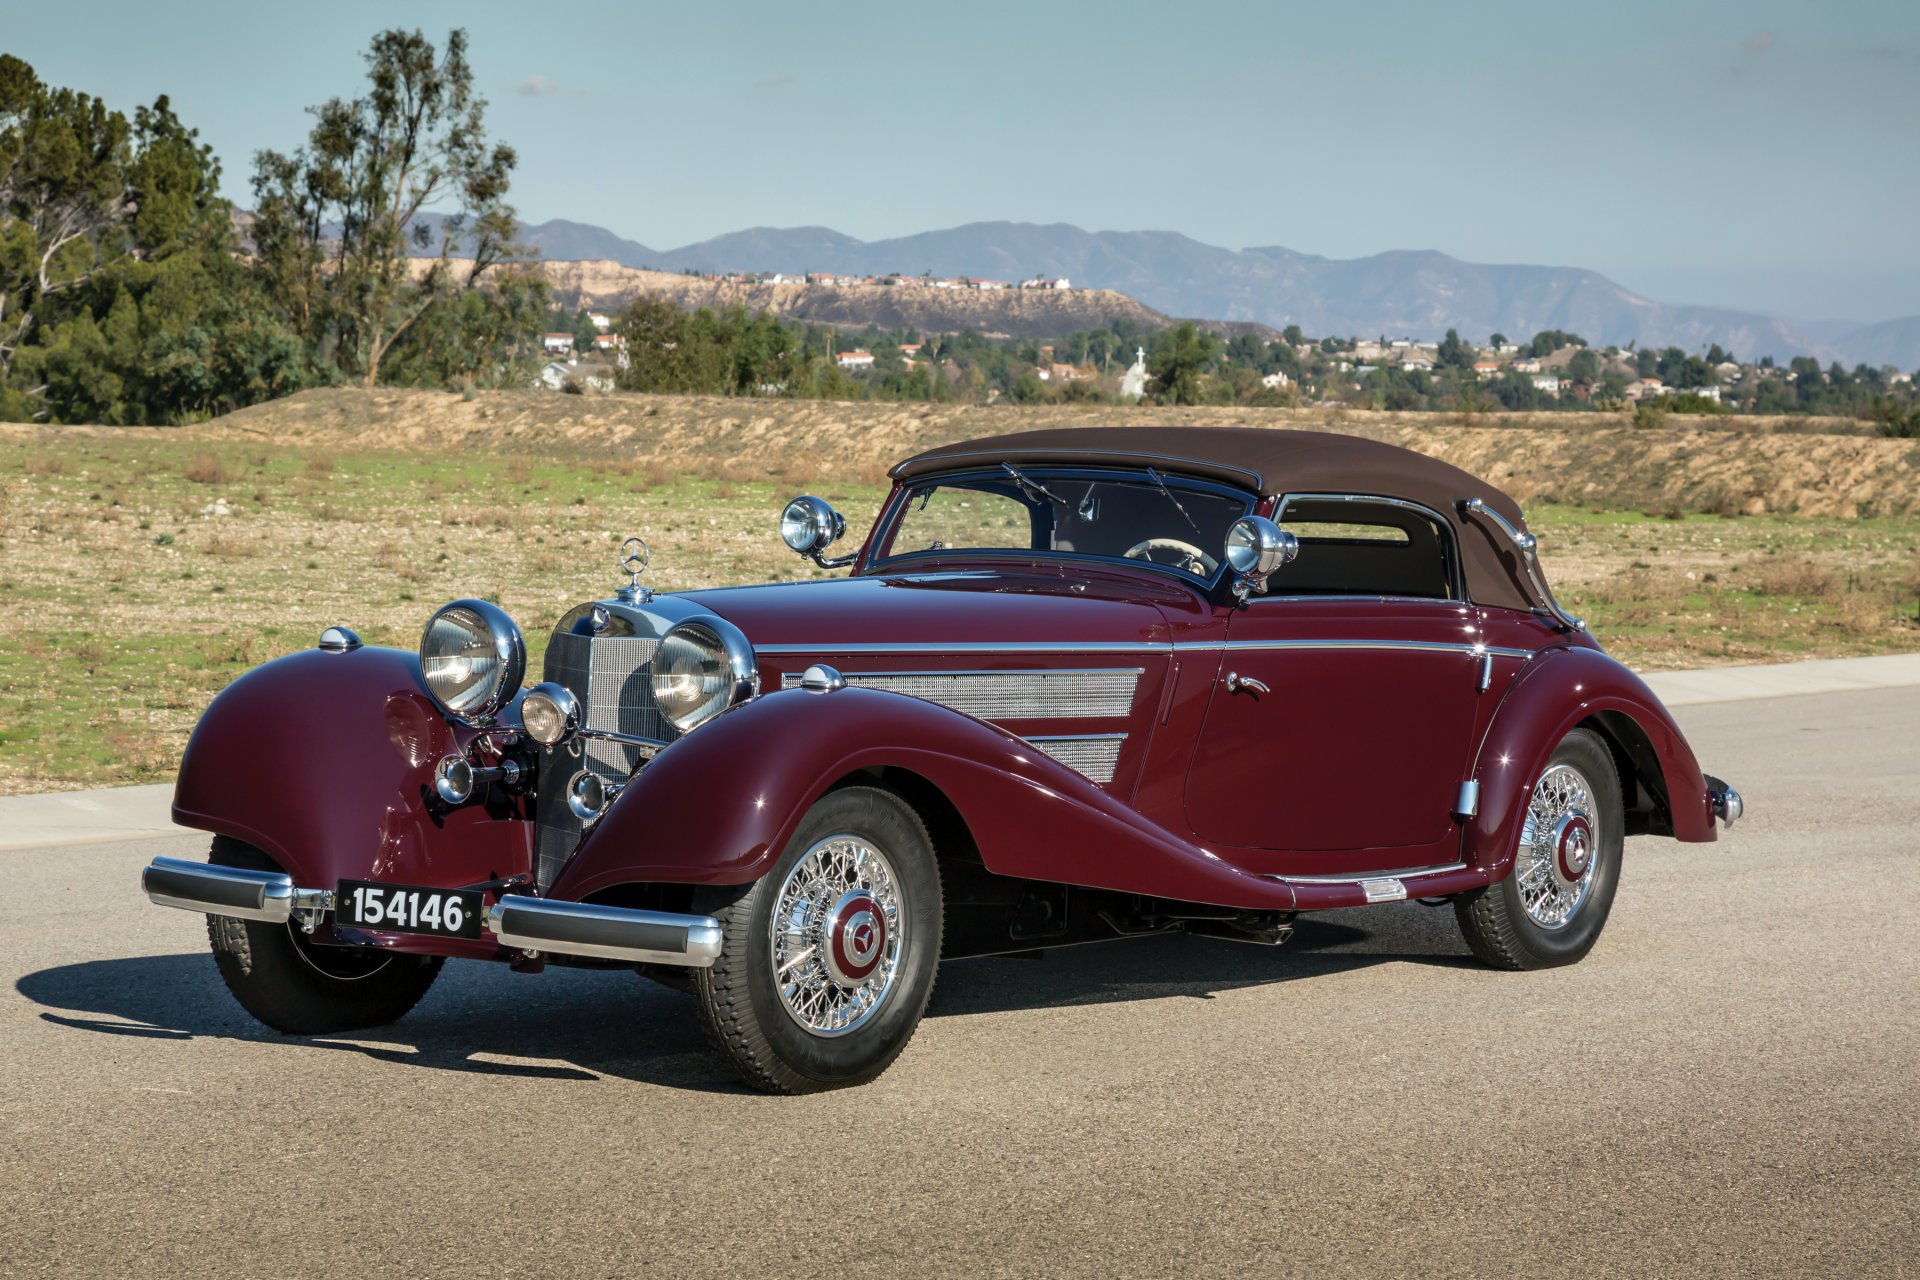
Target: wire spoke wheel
837	933
1554	869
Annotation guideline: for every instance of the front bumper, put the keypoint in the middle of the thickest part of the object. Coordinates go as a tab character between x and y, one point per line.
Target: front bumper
517	921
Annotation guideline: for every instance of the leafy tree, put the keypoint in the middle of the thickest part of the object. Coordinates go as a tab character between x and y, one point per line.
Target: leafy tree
1455	354
336	219
1178	359
64	206
1584	366
1498	340
1292	336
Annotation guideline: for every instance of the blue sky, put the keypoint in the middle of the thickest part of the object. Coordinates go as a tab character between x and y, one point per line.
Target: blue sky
1762	154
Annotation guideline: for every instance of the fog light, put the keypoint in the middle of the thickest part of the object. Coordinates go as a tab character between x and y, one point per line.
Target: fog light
549	713
586	795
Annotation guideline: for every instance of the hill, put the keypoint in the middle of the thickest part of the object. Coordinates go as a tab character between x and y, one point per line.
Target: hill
1418	294
1027	313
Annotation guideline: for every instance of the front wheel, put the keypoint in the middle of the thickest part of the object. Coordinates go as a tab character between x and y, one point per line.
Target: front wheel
829	958
295	986
1551	909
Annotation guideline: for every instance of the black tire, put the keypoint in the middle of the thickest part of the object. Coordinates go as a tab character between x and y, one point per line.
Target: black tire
740	1003
1496	921
302	989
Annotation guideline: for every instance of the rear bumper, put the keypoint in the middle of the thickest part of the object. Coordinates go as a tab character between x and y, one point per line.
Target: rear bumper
516	921
1724	801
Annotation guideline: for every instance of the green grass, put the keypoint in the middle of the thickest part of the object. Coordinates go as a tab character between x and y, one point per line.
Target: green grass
127	601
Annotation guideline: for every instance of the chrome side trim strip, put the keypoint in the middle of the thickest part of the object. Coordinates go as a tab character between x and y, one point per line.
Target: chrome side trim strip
1426	646
1093	755
1361	877
1128	646
975	646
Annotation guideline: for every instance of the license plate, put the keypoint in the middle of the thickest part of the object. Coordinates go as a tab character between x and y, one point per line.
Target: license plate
405	908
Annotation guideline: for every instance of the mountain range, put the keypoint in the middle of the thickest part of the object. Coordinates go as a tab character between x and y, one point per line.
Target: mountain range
1403	293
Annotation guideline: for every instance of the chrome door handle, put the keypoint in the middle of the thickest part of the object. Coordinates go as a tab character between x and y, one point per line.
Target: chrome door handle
1236	682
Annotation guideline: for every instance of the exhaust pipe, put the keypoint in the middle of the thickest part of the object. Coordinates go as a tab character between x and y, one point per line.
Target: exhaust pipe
607	933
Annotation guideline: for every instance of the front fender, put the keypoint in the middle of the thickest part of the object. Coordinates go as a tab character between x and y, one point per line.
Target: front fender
325	762
1560	690
719	805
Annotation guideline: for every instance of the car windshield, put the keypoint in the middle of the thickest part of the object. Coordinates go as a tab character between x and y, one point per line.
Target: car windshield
1170	521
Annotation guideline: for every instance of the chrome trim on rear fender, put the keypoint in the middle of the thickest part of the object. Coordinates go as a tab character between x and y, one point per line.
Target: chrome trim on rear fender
607	933
239	892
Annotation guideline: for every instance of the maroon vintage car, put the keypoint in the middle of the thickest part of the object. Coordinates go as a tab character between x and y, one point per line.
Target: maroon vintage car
1079	685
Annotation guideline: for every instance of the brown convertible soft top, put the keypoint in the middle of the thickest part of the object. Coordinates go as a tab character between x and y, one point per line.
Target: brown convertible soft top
1274	462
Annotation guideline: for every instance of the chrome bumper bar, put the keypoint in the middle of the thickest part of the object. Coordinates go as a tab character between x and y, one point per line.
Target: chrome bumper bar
228	891
608	933
531	924
1725	801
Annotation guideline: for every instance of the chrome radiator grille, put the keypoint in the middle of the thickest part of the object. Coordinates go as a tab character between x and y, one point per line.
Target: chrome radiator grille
613	678
1010	695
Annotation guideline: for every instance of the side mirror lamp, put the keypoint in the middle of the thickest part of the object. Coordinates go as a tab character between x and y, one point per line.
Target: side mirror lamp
809	526
1257	548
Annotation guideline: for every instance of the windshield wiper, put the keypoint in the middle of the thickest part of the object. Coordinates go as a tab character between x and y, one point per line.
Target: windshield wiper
1155	477
1033	488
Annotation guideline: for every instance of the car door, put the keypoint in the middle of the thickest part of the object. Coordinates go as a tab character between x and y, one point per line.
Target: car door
1342	719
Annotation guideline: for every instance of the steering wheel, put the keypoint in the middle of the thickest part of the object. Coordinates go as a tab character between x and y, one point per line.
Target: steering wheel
1192	558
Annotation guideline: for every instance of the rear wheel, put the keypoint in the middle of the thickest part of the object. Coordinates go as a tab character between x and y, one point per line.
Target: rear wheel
282	978
1551	909
829	958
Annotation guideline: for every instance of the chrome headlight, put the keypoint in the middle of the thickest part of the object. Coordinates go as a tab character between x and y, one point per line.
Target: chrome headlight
701	669
472	656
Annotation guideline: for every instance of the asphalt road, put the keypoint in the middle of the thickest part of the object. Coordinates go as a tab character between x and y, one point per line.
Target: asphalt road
1727	1085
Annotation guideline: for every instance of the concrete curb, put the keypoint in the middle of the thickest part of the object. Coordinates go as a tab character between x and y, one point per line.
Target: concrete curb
131	813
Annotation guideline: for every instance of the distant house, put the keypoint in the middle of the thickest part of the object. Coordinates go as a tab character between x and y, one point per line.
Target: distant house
1705	393
1486	368
1065	373
854	361
1417	364
1898	379
1275	380
554	375
608	341
557	344
1547	384
910	349
974	282
1400	344
1642	388
1042	282
1526	364
600	320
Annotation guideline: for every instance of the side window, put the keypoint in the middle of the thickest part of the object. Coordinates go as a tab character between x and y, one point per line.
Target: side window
1362	547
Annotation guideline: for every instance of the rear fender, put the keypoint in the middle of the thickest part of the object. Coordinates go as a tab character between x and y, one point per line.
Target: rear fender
1559	691
720	805
324	761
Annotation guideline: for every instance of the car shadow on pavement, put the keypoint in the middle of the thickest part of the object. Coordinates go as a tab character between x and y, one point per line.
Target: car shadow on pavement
1152	968
582	1026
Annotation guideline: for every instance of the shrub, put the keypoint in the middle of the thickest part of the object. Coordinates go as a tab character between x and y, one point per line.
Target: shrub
1649	413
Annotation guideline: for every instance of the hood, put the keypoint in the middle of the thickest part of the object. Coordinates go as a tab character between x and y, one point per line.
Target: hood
962	607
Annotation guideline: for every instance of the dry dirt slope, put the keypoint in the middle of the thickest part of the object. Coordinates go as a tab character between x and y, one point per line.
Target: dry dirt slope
1591	460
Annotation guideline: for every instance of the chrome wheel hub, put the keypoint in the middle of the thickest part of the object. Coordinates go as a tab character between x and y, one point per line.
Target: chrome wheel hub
1558	845
837	931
